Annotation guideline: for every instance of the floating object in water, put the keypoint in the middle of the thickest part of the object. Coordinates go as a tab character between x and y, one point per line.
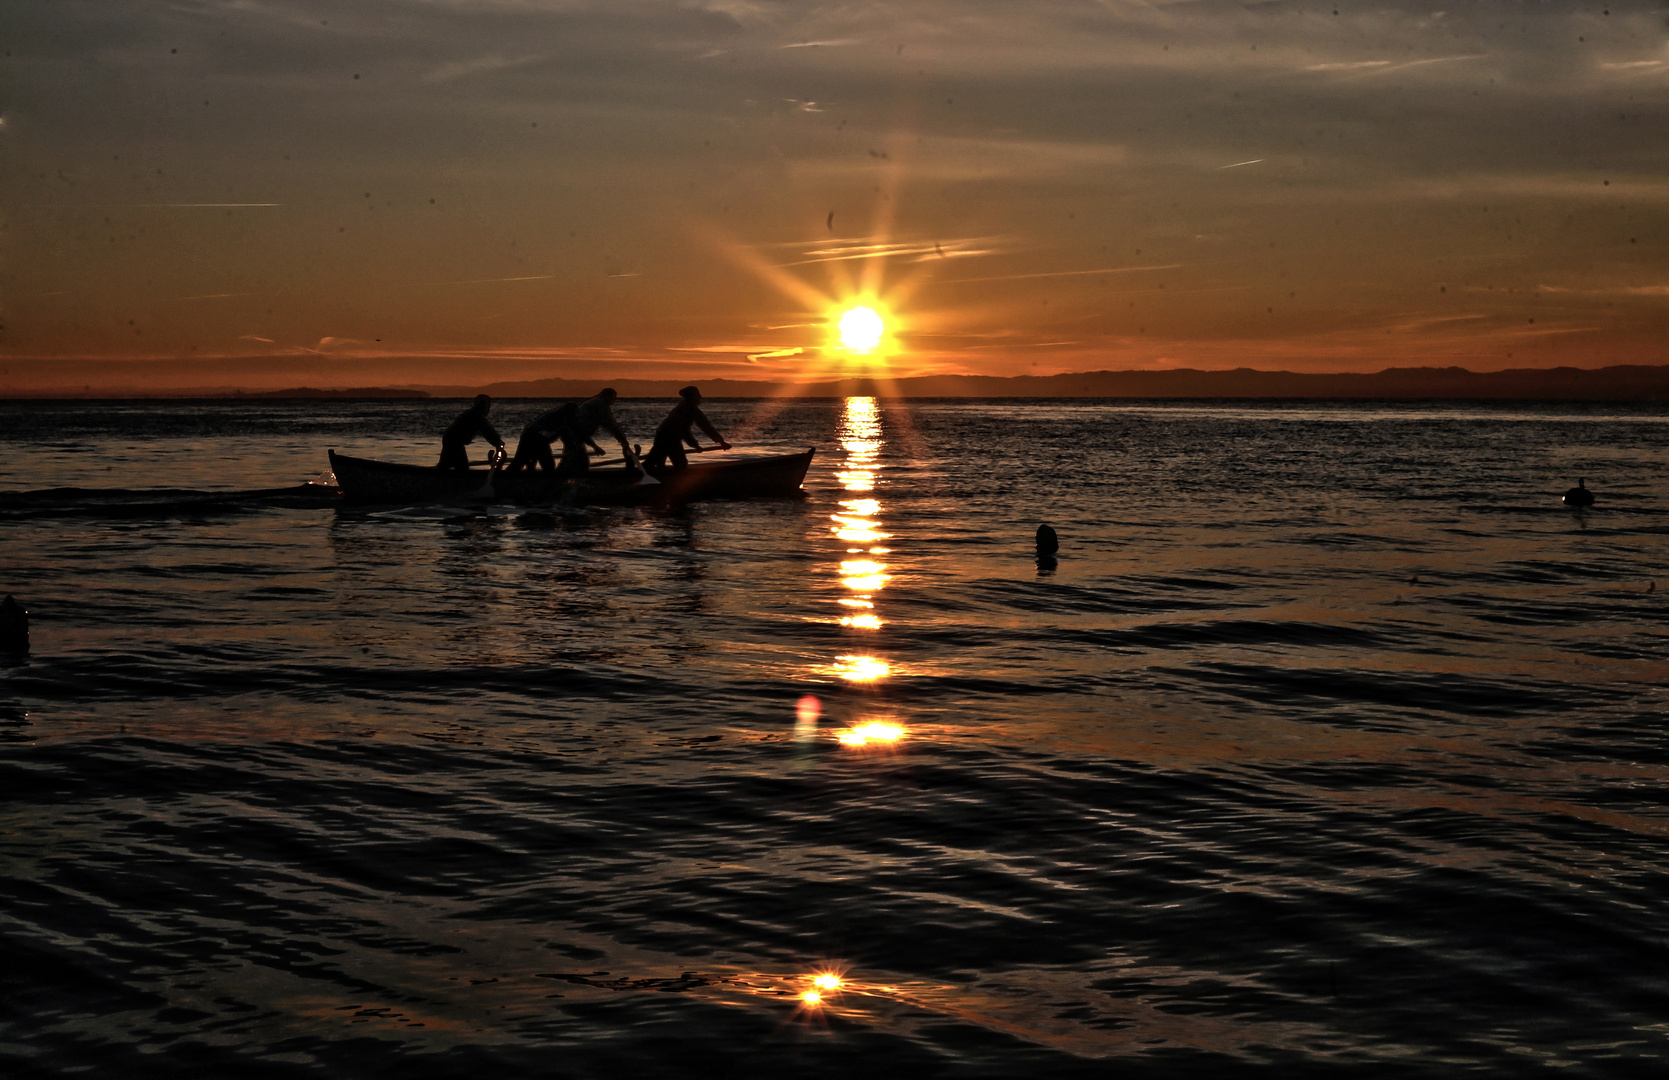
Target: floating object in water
1579	495
1651	586
14	626
1047	542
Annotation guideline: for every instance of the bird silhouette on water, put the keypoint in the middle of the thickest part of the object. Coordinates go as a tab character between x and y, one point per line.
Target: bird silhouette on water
1579	495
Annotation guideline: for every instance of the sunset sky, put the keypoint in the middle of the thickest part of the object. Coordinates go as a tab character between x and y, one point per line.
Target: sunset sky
275	192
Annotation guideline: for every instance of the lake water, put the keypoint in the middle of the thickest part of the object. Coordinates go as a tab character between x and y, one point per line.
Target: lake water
1332	745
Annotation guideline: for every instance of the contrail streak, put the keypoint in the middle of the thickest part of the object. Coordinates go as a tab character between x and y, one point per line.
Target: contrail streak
1064	273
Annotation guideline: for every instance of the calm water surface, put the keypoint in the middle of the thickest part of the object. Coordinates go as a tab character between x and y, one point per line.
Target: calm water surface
1332	745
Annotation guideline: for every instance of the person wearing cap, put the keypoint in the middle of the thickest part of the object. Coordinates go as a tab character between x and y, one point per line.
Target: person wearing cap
674	432
582	424
462	431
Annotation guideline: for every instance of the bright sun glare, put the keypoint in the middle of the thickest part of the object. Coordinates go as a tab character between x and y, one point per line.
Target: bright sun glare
872	732
861	329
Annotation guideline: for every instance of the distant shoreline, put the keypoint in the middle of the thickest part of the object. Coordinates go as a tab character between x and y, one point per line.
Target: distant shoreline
1632	382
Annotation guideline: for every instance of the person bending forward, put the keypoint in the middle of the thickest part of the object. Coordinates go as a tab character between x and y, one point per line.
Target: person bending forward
534	447
674	432
462	431
582	424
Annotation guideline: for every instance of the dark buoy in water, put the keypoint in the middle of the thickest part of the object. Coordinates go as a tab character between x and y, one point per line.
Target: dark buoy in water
14	627
1047	544
1579	495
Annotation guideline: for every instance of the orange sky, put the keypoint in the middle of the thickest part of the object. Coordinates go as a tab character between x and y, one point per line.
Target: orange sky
271	194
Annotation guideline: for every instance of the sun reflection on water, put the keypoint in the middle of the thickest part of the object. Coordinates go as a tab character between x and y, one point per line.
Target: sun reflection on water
876	731
858	524
862	669
863	573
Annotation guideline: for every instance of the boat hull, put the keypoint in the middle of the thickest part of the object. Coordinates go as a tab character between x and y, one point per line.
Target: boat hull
368	481
736	478
365	480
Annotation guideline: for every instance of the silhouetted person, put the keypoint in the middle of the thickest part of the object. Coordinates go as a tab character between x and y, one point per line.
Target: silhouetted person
1579	495
582	424
1047	542
470	423
534	447
14	627
674	432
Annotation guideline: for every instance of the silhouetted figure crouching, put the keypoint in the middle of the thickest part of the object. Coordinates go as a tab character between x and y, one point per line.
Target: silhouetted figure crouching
462	431
674	433
534	447
581	424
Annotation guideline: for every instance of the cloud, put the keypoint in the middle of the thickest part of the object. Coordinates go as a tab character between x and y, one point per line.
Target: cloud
775	354
1066	273
918	250
453	70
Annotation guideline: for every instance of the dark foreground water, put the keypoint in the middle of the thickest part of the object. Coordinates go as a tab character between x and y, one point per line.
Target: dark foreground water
1333	746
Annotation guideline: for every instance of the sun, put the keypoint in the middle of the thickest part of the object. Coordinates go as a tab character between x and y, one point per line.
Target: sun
861	329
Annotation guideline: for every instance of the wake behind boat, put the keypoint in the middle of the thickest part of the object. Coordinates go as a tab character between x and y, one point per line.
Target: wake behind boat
369	481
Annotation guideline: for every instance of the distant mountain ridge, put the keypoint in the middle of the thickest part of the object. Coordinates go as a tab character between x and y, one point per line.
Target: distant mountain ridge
359	393
1628	382
1632	382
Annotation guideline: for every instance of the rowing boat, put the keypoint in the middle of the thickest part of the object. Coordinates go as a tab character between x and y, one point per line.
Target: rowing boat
739	477
368	481
364	480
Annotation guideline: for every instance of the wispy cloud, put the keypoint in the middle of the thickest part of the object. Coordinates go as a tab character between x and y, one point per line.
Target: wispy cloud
916	250
1381	67
1024	345
1065	273
459	69
490	280
774	354
1349	65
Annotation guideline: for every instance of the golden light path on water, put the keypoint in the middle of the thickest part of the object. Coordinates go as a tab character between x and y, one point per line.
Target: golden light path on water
857	526
863	569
